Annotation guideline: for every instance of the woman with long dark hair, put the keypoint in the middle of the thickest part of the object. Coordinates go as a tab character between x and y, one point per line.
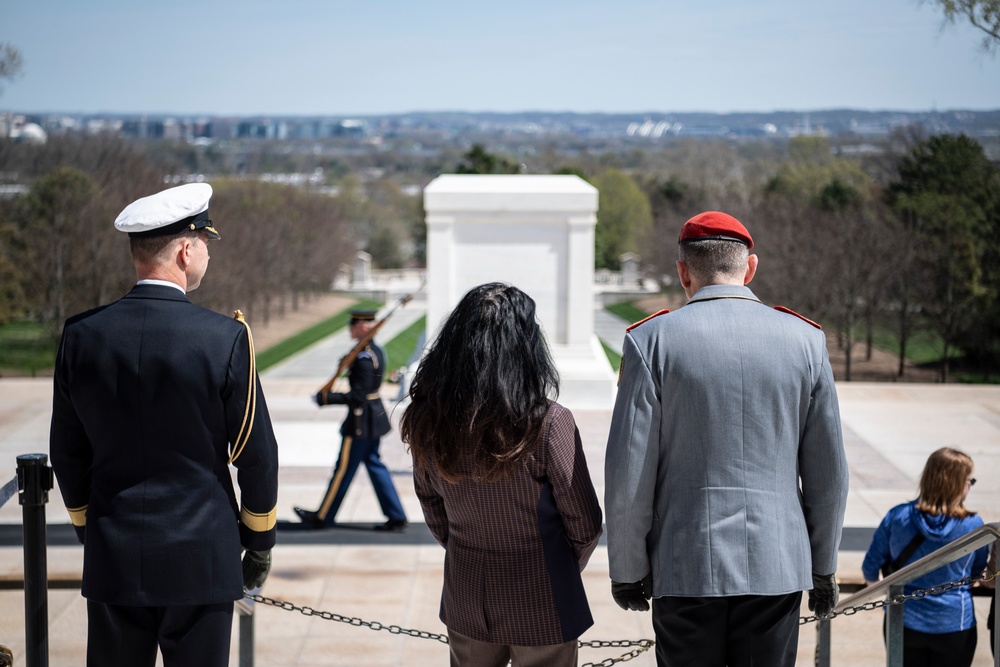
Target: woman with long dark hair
938	630
501	476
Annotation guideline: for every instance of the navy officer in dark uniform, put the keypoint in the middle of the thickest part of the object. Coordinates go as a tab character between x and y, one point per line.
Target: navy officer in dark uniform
365	424
154	399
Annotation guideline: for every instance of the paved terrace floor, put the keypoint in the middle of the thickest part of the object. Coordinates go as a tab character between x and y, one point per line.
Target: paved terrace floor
396	579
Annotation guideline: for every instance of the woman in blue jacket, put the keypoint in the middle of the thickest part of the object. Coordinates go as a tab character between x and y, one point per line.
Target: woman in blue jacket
937	629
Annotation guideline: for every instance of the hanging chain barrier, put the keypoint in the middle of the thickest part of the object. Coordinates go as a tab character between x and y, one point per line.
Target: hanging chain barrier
357	622
901	598
641	645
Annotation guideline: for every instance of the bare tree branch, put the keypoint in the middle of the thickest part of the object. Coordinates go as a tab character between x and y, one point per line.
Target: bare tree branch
982	14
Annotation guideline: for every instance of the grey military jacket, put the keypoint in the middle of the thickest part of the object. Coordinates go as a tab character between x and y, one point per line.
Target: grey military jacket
725	471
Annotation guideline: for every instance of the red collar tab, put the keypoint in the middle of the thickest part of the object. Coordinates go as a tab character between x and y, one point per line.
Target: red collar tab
801	317
656	314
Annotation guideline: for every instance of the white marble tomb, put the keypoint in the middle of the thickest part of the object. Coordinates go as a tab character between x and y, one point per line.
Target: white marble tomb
535	232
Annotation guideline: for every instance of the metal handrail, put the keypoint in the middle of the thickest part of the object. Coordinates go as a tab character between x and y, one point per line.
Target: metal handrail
977	539
892	586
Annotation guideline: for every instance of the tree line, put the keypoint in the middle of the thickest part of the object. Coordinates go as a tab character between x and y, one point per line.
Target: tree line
907	242
60	254
904	241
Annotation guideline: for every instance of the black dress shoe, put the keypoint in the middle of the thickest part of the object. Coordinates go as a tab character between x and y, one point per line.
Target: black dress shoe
391	526
308	517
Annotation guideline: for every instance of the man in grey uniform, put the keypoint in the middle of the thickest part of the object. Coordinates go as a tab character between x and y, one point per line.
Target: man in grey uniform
726	479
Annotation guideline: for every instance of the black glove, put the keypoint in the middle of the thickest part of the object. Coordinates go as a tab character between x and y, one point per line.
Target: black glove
256	565
634	597
824	594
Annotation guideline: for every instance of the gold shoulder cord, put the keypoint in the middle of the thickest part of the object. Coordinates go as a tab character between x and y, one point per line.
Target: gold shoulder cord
251	406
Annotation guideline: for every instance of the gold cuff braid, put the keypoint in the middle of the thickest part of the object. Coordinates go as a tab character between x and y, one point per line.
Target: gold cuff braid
78	515
259	523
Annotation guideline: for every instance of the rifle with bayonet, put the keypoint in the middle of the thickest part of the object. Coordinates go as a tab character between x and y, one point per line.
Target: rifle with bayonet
365	340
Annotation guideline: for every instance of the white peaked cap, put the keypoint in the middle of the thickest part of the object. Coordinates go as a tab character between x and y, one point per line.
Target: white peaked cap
169	212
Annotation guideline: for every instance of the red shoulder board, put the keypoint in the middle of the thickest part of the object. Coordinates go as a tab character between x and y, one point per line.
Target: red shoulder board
656	314
804	319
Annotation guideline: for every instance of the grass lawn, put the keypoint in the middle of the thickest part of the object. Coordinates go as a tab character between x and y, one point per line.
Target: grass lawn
286	348
925	348
399	350
26	348
922	348
627	311
613	357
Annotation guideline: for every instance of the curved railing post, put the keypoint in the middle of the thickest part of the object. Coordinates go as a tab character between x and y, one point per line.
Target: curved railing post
892	586
34	481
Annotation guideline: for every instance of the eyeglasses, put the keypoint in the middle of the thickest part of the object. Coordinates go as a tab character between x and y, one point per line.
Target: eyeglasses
972	481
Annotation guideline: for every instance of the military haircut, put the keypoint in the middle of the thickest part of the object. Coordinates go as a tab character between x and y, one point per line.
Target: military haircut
713	259
150	250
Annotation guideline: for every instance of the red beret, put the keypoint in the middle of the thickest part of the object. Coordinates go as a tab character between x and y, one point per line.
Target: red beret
715	225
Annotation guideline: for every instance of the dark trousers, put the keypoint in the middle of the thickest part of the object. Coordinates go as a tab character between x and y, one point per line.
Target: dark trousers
354	452
738	631
187	635
948	649
468	652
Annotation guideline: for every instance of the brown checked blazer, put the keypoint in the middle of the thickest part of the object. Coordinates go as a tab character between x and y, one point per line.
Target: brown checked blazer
515	547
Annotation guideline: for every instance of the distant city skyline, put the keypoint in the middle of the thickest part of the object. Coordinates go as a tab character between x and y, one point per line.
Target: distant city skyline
317	57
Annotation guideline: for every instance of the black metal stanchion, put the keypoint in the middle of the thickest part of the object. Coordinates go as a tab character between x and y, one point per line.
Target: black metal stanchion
244	610
822	657
34	481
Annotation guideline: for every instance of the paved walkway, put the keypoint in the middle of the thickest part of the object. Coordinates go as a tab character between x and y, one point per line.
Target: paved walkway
324	356
610	329
396	579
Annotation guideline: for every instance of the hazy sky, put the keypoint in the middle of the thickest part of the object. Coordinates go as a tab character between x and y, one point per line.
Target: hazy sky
311	57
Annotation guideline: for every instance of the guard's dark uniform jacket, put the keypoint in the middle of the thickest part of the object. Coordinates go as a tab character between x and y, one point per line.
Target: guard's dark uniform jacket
365	424
153	395
366	417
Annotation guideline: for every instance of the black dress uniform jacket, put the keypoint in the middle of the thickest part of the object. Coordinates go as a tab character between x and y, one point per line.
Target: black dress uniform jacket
150	393
366	417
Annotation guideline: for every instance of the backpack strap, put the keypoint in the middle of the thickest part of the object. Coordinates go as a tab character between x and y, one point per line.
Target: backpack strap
908	551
